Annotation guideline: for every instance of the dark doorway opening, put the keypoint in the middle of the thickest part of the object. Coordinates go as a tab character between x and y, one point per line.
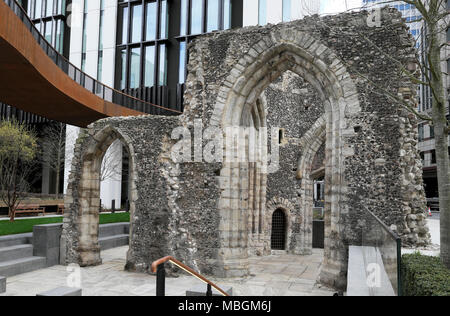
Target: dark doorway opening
278	240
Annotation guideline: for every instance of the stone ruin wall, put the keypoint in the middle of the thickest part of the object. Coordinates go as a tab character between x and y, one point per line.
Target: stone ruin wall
176	205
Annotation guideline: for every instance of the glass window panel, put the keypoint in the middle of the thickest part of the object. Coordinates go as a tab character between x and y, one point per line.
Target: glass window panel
38	9
227	14
30	8
135	68
182	68
124	16
162	65
286	10
84	39
49	9
151	21
100	66
59	36
164	19
100	34
48	31
61	6
136	32
262	16
149	66
213	15
183	17
196	17
123	70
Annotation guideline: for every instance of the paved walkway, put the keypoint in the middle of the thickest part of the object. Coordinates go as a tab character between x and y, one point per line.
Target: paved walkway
274	275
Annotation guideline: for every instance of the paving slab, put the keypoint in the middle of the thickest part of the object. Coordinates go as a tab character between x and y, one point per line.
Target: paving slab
297	277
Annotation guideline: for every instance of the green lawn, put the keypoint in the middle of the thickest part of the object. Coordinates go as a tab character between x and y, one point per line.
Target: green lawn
21	226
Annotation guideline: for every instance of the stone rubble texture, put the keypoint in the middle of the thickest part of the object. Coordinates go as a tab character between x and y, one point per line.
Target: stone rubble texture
314	78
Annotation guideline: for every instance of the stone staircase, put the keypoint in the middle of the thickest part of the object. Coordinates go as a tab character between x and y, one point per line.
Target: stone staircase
114	235
16	255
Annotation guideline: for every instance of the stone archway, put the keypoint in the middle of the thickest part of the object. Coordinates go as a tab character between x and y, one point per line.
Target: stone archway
309	145
269	58
83	247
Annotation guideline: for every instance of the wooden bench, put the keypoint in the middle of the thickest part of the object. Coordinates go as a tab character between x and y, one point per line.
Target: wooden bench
30	209
61	209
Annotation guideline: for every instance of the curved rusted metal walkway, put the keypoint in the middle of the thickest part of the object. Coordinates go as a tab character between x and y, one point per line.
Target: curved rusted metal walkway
35	78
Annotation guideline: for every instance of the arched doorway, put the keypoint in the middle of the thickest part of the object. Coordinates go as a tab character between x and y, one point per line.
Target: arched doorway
80	238
279	224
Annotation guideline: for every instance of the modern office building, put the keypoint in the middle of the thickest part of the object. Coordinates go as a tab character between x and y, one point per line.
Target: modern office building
140	47
261	12
409	13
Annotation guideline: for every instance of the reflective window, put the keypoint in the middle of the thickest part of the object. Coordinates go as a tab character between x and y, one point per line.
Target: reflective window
162	65
149	66
59	36
135	68
163	19
151	21
124	29
123	69
227	14
49	8
38	9
262	12
183	17
182	67
48	31
196	16
213	15
286	10
136	32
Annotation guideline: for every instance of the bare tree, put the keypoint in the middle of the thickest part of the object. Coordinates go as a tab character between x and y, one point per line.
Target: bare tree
112	166
18	147
54	147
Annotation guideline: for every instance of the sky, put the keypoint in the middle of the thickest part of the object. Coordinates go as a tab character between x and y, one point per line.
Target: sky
336	6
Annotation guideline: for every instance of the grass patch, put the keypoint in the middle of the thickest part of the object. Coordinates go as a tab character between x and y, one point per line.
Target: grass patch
21	226
425	276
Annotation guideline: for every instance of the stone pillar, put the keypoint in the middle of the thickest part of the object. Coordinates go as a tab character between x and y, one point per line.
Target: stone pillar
46	242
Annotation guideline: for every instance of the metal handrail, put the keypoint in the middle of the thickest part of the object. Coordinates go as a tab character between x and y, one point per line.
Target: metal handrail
158	267
77	73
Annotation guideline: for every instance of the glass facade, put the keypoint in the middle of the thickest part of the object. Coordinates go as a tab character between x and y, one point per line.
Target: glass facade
152	41
49	17
199	17
142	39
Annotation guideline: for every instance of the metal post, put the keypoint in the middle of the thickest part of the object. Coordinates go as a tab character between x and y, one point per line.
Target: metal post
161	281
209	290
113	206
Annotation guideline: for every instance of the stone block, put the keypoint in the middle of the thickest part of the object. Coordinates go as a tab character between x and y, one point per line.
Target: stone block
46	242
2	284
62	291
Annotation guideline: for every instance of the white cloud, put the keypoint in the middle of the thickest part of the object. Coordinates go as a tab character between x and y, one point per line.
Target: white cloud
337	6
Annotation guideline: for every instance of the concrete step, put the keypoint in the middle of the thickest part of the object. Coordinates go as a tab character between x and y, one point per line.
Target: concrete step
16	252
107	230
12	240
23	265
113	241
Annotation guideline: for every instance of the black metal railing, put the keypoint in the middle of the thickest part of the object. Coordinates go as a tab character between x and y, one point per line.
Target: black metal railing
92	85
158	267
382	248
